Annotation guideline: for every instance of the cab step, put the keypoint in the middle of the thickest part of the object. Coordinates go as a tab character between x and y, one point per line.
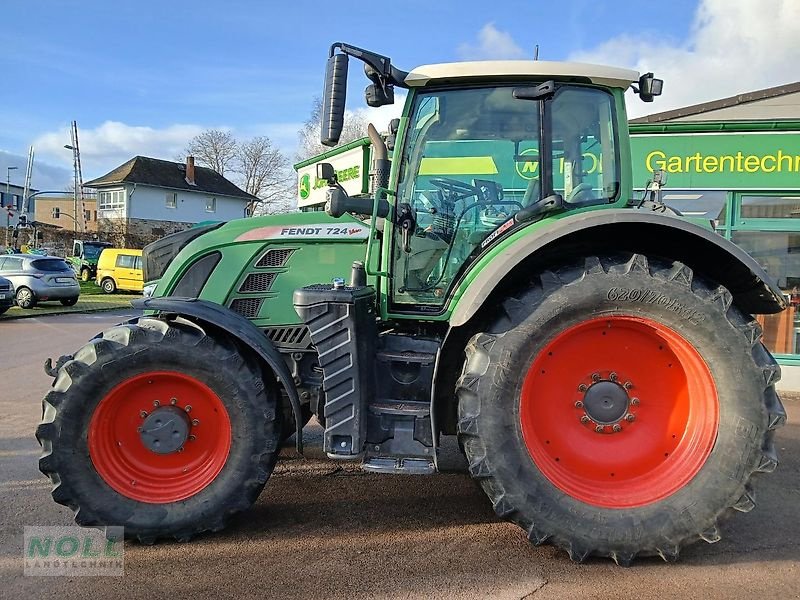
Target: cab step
399	465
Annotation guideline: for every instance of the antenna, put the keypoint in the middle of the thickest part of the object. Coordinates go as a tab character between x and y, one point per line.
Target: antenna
536	52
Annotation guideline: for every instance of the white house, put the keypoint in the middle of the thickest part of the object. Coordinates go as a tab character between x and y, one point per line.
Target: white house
146	198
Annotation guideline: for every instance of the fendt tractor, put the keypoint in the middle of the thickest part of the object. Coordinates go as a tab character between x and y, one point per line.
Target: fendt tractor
594	353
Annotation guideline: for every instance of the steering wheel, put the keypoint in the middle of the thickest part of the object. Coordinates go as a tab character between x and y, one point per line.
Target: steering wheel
456	187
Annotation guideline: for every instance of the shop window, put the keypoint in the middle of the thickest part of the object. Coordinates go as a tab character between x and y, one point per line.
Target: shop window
779	253
701	204
770	207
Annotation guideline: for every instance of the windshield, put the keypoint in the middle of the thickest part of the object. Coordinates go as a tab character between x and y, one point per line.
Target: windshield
92	251
473	159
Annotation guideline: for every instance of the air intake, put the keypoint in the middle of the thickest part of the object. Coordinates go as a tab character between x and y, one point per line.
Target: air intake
275	258
258	282
247	307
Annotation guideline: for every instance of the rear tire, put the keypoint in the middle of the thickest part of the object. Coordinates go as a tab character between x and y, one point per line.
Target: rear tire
25	298
108	285
524	405
95	453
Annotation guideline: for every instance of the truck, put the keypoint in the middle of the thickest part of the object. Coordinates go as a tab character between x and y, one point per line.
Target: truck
595	355
84	257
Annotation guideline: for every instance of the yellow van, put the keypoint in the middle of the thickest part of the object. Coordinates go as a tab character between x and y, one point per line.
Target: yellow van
120	269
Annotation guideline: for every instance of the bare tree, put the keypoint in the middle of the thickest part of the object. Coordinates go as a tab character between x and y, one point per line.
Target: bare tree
355	127
215	149
265	173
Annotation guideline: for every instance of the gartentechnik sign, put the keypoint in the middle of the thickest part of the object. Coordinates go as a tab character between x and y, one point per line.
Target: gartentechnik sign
728	161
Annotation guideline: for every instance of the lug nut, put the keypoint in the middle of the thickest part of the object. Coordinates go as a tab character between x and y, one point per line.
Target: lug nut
138	430
173	401
635	401
627	385
180	449
595	376
585	419
613	376
617	428
579	404
192	438
630	418
582	387
599	429
156	403
143	413
195	422
188	408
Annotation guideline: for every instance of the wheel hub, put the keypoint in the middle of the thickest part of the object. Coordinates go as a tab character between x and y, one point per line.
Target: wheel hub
165	430
606	402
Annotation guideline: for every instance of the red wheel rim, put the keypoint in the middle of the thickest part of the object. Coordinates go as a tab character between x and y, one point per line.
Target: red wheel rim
129	467
664	435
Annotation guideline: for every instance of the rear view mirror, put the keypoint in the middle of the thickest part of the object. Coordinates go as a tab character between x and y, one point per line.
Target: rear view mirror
326	173
333	100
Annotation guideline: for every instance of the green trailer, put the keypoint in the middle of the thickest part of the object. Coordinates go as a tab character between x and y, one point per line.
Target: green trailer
595	354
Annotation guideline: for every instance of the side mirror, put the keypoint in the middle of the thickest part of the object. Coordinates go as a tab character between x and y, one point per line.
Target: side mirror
376	95
326	173
649	87
333	99
391	139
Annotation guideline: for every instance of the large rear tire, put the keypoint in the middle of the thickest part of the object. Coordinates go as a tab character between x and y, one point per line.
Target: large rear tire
619	408
160	428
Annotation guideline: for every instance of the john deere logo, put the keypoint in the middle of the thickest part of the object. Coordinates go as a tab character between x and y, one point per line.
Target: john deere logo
528	169
305	186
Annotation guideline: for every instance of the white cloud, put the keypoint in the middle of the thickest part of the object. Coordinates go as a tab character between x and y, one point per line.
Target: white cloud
112	143
734	46
492	44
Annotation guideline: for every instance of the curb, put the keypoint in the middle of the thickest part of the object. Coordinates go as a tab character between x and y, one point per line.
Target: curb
29	315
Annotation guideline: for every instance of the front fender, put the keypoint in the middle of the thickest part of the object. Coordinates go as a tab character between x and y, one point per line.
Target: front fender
703	250
214	315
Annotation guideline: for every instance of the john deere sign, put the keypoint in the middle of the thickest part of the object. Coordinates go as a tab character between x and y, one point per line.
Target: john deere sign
729	161
351	163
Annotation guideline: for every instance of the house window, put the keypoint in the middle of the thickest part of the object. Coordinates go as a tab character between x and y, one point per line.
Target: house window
172	200
112	200
211	205
87	215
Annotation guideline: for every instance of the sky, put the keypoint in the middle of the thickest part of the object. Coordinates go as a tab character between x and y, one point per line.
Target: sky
144	77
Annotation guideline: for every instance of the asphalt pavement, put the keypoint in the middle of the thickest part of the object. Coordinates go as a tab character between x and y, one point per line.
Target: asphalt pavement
328	530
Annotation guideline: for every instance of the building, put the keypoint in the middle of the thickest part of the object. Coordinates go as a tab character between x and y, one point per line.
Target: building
147	198
11	197
736	161
57	211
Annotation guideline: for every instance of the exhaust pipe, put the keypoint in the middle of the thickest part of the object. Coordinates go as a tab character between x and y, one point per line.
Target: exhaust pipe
379	174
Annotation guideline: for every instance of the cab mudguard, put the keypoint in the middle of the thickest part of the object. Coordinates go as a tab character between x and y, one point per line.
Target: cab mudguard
654	234
214	315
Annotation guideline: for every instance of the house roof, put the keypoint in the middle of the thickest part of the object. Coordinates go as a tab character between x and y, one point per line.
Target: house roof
696	109
167	174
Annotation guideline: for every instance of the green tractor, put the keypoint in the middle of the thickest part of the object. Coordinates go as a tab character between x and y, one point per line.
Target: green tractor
595	354
85	254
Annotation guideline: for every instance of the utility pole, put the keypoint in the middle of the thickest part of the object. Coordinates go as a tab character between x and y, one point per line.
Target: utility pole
78	178
8	193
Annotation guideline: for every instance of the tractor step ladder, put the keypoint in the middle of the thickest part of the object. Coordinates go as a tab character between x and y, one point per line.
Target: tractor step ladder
399	438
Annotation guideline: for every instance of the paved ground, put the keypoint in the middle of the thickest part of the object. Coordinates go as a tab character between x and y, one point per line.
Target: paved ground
326	531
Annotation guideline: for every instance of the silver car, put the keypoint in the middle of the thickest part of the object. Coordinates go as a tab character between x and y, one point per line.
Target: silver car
38	278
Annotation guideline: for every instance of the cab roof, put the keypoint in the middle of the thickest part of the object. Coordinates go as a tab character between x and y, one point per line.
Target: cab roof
535	69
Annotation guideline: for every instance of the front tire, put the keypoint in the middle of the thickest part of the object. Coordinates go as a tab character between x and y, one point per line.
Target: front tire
161	428
619	408
85	274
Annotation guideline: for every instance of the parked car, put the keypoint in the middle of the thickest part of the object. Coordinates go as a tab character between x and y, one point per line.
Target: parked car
120	269
39	278
6	295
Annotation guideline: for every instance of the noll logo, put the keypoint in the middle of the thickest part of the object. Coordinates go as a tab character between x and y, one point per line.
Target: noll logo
528	169
305	186
72	551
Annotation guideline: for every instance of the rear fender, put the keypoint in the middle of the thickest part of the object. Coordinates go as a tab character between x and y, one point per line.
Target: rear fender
213	315
653	234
